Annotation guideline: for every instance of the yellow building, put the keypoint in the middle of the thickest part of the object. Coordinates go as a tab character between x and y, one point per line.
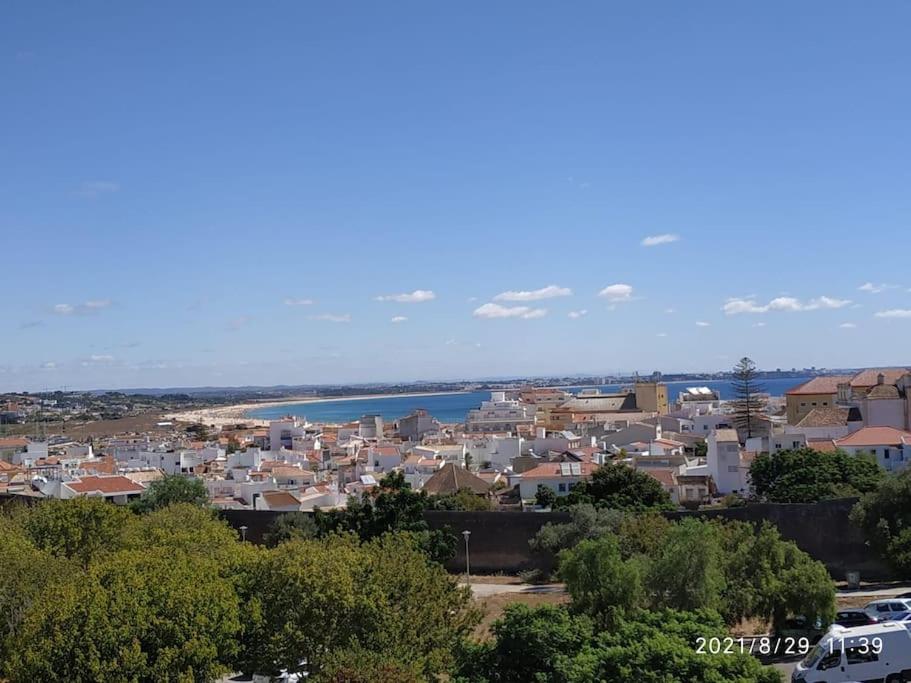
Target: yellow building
651	397
819	392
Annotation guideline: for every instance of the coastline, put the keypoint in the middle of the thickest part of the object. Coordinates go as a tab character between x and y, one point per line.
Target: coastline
227	415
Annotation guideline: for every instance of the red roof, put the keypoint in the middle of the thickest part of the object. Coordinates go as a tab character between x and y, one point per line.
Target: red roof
820	385
110	485
552	470
664	476
822	445
13	442
869	378
875	436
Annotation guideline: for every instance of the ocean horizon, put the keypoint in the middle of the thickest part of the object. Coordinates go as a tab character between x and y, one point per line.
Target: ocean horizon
454	407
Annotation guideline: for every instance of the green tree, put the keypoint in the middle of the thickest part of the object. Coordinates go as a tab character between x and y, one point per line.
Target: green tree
531	645
807	476
171	489
748	402
769	578
393	507
661	647
147	615
545	496
290	526
308	599
686	573
885	516
463	499
601	583
81	528
358	665
618	486
586	521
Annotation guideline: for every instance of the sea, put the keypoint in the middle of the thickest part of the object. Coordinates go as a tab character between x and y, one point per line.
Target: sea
454	407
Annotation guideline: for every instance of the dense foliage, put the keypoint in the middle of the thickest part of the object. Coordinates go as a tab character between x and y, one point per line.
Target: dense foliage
551	645
885	516
805	475
172	489
619	487
91	592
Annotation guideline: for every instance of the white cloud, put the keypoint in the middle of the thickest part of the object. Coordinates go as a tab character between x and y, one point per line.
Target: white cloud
670	310
332	317
847	326
415	297
577	314
782	303
657	240
874	288
758	324
661	334
399	319
617	293
491	310
49	365
451	342
702	323
91	306
548	292
894	313
298	302
101	358
95	188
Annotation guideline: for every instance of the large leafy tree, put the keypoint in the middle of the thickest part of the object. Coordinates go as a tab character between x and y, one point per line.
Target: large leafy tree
81	528
805	475
885	516
601	583
686	573
144	615
170	490
748	403
310	599
394	507
619	487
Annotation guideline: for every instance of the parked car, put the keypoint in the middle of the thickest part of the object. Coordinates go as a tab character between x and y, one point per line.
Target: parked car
880	652
798	627
853	617
890	609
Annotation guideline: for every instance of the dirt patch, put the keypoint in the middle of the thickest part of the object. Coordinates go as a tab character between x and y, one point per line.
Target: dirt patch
495	605
145	423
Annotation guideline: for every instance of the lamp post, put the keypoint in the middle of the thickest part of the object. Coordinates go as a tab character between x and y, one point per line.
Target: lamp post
466	534
243	534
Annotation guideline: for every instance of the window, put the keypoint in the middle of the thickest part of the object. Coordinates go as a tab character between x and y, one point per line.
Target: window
561	488
886	453
830	661
861	655
733	468
882	607
795	444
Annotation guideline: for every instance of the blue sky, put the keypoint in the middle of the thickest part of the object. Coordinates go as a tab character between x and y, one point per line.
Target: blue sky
179	179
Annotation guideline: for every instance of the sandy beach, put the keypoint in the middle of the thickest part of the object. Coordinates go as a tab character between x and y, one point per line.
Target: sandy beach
229	415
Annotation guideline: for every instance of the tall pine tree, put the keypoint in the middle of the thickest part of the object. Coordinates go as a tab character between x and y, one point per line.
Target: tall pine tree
748	403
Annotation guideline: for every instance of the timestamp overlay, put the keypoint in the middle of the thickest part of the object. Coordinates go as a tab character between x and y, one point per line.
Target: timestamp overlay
762	646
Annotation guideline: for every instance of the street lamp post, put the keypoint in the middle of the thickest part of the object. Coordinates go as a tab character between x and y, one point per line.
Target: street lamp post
243	534
466	534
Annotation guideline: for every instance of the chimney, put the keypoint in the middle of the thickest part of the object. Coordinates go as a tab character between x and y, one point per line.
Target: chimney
880	378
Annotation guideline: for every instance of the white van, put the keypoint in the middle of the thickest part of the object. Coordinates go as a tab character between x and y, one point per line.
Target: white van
878	652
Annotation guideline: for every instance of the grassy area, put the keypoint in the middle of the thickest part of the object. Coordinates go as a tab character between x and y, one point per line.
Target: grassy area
495	605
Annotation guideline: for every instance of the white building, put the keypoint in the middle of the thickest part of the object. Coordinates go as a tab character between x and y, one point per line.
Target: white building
494	449
724	462
890	446
560	477
500	415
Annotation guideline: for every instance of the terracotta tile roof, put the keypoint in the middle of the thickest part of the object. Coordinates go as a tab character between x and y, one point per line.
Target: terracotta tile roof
664	476
883	391
280	499
107	485
552	470
820	385
825	417
290	471
726	435
875	436
822	445
13	442
449	479
869	378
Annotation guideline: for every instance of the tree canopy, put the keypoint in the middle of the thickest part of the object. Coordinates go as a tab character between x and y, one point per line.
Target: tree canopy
885	516
748	402
171	489
805	475
619	487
